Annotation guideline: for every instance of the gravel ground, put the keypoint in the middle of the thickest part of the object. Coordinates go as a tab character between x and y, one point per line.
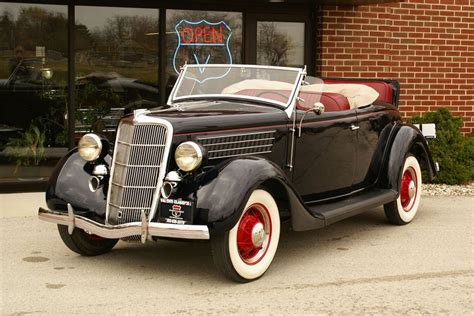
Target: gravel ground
448	190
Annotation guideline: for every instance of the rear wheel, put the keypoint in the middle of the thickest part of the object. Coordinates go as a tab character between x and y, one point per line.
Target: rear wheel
404	208
84	243
246	251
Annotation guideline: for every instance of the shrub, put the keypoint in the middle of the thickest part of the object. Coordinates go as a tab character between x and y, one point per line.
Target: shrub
453	152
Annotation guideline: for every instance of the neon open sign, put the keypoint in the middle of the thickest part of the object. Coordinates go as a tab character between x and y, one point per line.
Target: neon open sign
202	42
202	35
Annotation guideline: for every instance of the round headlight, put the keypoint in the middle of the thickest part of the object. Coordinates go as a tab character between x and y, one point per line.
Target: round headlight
188	156
90	147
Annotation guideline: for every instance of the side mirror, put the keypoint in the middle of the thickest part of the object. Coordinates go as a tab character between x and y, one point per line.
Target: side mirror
318	108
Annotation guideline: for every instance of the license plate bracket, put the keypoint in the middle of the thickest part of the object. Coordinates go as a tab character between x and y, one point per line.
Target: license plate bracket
176	211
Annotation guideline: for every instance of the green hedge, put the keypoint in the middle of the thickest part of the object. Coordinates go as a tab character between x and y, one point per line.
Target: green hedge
453	152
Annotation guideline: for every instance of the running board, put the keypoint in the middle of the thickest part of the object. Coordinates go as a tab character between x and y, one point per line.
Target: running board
337	211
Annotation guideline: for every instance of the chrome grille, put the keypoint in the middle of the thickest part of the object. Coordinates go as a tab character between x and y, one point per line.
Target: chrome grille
232	145
138	167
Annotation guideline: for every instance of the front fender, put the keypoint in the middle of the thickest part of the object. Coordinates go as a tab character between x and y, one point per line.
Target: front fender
408	140
222	199
69	183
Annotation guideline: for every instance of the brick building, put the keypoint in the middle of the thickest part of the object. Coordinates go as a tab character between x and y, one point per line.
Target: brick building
427	45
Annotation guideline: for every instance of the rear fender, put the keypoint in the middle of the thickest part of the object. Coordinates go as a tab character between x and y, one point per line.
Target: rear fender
407	140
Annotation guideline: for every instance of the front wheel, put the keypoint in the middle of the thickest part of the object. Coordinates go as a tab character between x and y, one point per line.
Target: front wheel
404	208
246	251
84	243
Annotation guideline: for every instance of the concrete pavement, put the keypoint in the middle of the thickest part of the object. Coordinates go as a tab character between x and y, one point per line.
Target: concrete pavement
361	265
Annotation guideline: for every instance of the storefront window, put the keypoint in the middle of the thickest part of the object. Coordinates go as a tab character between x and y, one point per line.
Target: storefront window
116	65
201	37
33	88
280	43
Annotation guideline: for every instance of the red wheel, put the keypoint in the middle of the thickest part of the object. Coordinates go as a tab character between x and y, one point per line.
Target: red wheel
408	188
254	234
404	208
246	251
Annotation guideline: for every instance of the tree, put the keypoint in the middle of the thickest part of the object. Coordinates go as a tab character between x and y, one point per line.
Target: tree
273	46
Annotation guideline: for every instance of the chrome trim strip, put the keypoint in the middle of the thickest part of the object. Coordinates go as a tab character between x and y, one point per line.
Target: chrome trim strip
238	142
237	148
231	96
240	134
239	155
126	230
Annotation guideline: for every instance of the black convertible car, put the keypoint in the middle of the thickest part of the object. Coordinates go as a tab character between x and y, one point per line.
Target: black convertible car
238	150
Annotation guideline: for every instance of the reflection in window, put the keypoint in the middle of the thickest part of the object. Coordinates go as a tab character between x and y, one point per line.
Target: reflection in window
280	43
33	86
116	65
201	37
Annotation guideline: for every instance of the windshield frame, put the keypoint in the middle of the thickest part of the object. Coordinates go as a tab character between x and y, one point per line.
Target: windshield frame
300	73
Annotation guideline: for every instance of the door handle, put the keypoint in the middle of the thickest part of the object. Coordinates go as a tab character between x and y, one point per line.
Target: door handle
354	127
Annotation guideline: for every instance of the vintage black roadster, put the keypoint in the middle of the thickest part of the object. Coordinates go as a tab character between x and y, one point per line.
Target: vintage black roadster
237	151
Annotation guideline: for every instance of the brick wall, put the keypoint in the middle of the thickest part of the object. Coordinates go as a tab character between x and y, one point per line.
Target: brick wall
427	45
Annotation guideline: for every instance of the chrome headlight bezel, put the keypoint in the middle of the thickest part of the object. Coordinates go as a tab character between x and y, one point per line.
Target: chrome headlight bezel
188	156
90	147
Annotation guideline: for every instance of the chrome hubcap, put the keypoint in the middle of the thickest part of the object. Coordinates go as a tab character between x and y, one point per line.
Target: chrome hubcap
411	189
258	235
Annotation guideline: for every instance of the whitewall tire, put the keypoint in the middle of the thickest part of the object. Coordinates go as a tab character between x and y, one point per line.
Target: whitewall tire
246	251
404	208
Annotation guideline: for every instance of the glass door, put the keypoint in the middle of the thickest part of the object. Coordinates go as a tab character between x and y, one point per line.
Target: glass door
279	40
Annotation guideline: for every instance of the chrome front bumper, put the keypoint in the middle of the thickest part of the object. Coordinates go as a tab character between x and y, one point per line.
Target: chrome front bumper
143	228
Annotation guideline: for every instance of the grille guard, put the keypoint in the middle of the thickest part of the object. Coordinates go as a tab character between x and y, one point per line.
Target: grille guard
143	228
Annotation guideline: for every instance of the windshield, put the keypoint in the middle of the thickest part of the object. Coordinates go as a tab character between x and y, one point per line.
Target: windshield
271	85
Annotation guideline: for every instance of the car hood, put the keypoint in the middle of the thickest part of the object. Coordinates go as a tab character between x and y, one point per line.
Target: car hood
197	117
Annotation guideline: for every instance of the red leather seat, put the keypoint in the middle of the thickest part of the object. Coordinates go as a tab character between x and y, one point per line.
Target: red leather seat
383	88
332	101
276	95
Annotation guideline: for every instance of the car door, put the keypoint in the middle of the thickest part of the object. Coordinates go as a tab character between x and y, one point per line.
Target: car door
374	124
324	154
